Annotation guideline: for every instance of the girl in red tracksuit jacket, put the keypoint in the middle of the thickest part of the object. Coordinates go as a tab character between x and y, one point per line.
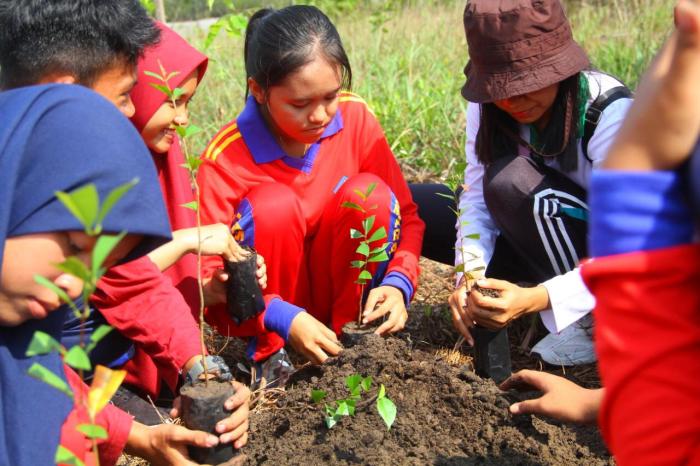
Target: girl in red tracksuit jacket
280	174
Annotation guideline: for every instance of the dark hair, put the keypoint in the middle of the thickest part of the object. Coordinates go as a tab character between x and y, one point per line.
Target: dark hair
278	42
499	134
82	38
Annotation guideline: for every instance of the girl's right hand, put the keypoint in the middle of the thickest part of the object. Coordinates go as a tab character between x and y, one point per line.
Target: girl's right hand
311	338
461	317
216	241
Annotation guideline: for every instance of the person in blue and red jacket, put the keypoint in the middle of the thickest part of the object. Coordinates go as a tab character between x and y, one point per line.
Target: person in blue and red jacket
280	174
645	274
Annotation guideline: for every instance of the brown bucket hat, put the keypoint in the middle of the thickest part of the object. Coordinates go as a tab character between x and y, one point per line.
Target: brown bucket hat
516	47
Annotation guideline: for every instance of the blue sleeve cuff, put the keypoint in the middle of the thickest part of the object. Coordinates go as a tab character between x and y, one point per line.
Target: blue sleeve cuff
400	281
279	316
637	211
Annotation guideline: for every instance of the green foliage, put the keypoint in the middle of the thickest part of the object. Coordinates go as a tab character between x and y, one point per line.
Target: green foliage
93	431
77	358
356	385
42	343
65	456
49	378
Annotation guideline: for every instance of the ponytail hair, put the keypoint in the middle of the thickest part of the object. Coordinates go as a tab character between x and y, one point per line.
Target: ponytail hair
279	42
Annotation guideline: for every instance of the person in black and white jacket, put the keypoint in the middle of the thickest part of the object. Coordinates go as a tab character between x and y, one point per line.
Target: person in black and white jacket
538	122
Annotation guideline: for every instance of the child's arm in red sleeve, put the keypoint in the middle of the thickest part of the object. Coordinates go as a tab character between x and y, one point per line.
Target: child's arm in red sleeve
142	303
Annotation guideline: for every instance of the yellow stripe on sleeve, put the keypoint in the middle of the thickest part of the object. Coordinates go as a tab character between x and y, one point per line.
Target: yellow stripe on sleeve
217	139
220	148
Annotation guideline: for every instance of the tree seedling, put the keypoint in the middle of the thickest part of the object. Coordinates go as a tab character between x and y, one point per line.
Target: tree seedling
84	204
356	385
366	237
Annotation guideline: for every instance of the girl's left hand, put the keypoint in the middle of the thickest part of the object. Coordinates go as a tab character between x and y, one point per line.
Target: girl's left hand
513	302
386	300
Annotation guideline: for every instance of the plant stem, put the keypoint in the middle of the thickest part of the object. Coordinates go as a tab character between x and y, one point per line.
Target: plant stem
359	311
199	278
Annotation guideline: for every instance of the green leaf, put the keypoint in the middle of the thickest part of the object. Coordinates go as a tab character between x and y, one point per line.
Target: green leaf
74	266
370	188
366	383
382	391
103	248
355	234
329	410
101	332
351	405
360	193
171	75
379	233
473	236
113	197
357	264
49	378
58	291
459	268
352	205
387	411
42	343
236	24
93	431
331	421
343	409
213	32
65	456
317	395
446	196
162	88
353	381
368	223
153	75
364	275
210	4
379	257
379	249
355	393
77	358
83	203
363	249
190	205
191	130
177	93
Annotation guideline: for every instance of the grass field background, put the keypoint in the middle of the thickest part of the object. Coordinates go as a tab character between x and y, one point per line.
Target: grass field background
408	59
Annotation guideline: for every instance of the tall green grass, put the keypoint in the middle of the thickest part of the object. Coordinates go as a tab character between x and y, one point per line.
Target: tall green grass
408	66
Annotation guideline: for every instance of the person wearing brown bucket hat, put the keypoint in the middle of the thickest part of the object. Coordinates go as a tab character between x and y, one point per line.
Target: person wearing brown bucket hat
539	120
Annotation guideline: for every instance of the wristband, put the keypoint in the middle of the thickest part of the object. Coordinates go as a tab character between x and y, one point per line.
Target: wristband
215	365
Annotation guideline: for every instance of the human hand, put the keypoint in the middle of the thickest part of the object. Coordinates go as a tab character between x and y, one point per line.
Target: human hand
261	272
235	427
512	302
385	300
561	398
166	444
313	339
216	240
461	317
663	124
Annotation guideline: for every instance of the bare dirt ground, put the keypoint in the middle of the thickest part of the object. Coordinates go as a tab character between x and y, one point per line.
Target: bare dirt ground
446	415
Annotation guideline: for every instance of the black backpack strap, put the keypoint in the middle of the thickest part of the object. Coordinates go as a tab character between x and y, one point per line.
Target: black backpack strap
595	110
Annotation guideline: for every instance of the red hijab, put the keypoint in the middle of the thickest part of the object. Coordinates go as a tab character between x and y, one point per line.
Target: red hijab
174	54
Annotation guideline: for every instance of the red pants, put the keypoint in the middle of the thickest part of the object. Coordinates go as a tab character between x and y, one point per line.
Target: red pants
308	264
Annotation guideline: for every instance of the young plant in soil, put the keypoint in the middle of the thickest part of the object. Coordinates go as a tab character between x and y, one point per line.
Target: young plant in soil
491	348
202	401
84	204
366	237
356	385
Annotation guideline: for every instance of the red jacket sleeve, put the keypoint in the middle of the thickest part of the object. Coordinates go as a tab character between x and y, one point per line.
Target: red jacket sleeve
116	422
380	160
142	303
647	336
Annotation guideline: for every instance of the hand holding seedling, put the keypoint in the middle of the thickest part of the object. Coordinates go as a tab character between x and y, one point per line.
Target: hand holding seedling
663	123
385	300
313	339
233	429
561	398
214	287
512	302
462	317
217	240
166	444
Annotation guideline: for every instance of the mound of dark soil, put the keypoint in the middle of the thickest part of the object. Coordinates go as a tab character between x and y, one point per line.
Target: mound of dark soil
446	416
